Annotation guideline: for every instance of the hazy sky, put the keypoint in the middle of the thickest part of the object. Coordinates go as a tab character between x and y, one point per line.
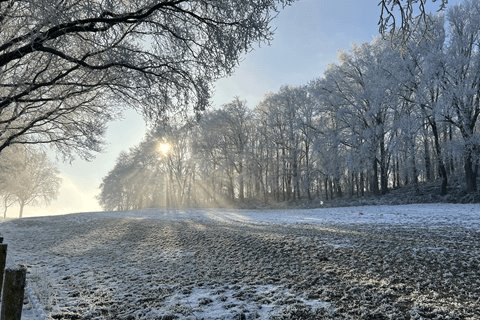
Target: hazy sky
308	36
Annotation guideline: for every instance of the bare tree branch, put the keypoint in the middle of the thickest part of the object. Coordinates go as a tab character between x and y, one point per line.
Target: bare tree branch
152	55
405	11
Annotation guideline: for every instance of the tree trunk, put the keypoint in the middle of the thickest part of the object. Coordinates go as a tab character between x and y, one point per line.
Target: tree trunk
277	177
22	205
307	170
450	163
470	172
265	182
213	197
428	161
330	183
357	185
352	184
231	187
295	178
413	164
374	178
394	173
399	180
338	188
441	166
383	166
241	183
326	188
362	184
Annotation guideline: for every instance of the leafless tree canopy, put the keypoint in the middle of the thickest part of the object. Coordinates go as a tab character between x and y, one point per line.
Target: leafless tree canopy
68	66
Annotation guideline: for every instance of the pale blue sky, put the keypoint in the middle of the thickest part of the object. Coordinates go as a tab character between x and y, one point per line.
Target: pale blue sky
308	36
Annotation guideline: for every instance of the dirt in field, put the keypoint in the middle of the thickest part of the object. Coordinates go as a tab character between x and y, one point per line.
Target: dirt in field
120	268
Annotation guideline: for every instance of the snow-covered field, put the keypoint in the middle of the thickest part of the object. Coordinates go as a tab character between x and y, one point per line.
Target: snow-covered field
372	262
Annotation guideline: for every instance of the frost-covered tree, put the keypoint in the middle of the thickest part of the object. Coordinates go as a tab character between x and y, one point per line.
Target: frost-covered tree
158	172
211	155
223	140
137	179
113	192
307	124
279	113
285	133
127	185
462	83
289	99
391	113
174	156
271	138
265	163
423	85
27	178
236	117
67	66
360	91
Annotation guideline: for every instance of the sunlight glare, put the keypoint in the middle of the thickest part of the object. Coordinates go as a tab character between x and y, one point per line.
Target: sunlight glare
164	148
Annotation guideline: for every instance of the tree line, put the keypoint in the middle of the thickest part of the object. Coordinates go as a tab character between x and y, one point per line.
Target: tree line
66	67
389	113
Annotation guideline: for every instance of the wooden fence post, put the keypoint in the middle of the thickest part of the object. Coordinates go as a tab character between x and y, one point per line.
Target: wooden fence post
3	261
13	292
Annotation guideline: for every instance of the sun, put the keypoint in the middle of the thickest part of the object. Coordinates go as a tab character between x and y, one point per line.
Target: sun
164	148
